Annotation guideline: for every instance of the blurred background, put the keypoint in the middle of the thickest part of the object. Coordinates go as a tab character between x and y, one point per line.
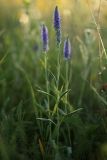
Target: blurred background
15	9
76	16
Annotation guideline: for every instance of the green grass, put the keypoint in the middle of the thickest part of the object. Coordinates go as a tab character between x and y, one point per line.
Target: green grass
51	110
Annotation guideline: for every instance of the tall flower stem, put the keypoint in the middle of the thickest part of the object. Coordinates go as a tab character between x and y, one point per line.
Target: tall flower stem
67	56
45	44
57	27
47	81
44	37
58	94
47	89
56	110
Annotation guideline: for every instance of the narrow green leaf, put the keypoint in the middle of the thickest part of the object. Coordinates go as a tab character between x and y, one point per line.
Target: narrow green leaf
75	111
41	91
64	93
2	60
44	119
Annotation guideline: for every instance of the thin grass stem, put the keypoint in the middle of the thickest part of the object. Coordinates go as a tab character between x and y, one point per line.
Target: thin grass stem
66	83
47	89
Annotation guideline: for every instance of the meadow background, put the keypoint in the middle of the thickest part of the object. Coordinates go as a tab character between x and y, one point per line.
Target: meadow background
77	128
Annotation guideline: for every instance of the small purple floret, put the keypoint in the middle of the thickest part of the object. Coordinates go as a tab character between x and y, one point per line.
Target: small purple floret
67	49
44	35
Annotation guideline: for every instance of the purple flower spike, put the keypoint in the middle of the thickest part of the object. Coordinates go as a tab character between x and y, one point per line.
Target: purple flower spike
44	34
57	23
67	49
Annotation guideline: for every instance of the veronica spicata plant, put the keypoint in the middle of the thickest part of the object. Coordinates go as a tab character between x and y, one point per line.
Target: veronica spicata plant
45	43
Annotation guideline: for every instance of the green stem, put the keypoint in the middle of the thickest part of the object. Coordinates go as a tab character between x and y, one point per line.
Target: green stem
55	110
58	68
47	90
46	79
58	95
66	84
